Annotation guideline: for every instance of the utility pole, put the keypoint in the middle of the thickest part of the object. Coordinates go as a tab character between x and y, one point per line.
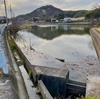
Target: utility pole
6	13
11	11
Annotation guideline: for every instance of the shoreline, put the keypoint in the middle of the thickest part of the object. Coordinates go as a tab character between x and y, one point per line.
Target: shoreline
73	23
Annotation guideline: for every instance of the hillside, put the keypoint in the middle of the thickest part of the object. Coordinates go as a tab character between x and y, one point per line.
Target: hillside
50	11
47	11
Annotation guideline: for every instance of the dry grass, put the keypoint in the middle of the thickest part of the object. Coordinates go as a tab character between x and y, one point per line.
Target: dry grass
26	25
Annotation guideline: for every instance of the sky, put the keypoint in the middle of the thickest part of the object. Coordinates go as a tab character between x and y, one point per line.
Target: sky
26	6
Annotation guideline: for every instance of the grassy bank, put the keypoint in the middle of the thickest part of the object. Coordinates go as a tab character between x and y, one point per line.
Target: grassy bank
18	59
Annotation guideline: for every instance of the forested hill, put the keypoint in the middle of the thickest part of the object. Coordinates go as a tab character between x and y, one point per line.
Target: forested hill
50	11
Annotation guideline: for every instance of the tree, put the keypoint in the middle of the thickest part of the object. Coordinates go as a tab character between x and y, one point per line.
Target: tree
89	15
59	16
94	14
96	11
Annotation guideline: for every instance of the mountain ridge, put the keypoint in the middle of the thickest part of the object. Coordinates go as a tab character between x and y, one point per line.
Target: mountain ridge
49	11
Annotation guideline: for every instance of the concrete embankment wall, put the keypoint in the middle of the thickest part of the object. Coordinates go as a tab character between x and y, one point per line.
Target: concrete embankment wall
96	40
27	64
20	82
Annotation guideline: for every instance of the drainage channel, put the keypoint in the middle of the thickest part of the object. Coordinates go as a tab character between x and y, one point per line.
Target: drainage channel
31	89
29	85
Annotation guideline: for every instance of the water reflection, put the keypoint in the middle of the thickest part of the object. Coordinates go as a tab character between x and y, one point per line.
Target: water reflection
67	42
50	33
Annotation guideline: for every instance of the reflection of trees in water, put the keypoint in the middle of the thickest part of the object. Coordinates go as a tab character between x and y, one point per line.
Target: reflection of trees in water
87	30
53	32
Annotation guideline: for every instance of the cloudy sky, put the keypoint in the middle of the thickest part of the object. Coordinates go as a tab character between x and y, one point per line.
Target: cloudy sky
26	6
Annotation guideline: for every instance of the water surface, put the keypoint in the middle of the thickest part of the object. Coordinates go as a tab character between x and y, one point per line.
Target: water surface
69	42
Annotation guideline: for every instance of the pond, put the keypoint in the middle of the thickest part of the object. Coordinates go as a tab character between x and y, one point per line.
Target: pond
69	42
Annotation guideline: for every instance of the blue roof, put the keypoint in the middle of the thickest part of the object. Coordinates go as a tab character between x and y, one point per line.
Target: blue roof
3	64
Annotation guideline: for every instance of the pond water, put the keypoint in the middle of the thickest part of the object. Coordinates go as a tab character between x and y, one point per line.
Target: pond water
69	42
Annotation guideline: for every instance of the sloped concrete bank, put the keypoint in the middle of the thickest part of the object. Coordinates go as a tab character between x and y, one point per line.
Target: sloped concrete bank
93	82
95	34
22	92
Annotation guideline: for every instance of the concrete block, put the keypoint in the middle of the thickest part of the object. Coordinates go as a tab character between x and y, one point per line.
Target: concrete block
54	79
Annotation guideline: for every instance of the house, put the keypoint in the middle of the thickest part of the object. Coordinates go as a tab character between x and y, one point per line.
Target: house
54	20
68	20
2	19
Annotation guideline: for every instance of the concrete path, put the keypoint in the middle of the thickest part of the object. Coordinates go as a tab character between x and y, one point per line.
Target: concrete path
8	85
